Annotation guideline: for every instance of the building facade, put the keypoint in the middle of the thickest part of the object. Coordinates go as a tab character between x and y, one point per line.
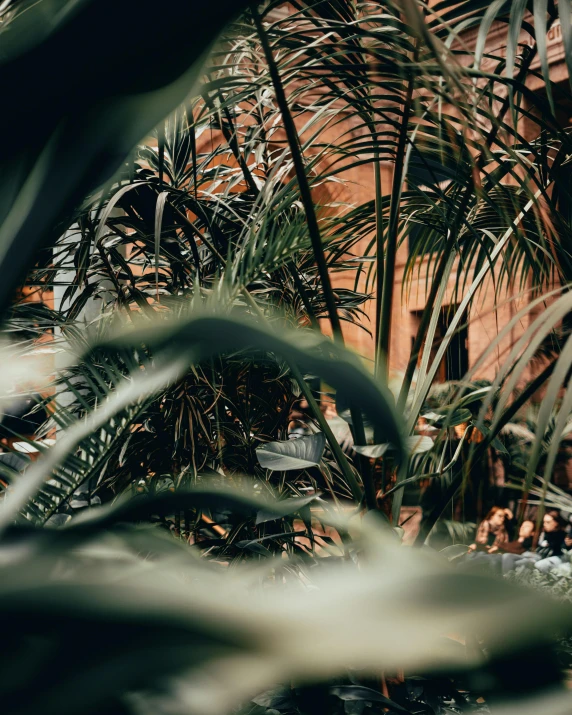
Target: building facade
488	315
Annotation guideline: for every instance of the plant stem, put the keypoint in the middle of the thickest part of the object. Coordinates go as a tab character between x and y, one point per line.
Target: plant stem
379	253
312	222
303	185
384	318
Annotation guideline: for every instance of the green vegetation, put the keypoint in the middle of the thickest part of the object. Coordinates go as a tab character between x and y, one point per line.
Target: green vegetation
228	567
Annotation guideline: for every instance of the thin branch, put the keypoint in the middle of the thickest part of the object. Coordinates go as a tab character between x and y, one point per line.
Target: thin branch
384	327
303	185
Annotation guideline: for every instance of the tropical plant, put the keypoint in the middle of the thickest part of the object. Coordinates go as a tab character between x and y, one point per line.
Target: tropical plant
210	268
236	196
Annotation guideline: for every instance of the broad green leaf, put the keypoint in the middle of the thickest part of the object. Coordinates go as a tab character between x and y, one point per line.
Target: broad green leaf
201	337
285	507
246	630
373	451
416	444
179	343
298	453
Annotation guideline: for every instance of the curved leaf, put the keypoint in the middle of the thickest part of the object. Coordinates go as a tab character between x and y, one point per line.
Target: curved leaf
298	453
416	444
285	507
454	552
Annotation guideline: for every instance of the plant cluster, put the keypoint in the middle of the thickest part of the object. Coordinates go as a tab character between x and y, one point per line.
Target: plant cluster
189	203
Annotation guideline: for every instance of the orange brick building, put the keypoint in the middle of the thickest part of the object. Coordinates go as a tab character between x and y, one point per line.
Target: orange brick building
486	317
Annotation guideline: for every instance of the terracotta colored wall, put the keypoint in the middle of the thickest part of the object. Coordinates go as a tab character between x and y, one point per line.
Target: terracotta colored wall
487	317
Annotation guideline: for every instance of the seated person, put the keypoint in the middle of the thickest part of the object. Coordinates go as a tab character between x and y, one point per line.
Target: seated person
553	542
491	533
549	550
524	541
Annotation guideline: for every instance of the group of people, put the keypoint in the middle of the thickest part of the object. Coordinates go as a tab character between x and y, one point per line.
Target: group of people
498	545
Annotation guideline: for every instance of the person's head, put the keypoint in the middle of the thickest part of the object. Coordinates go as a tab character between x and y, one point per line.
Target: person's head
526	529
496	516
552	521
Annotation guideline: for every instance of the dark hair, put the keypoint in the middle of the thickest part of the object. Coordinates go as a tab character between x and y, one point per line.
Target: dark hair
493	511
555	514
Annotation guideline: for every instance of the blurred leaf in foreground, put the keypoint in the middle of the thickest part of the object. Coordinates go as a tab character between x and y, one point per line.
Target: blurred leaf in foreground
129	616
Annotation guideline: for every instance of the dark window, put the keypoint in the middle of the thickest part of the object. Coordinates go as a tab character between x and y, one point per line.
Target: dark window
455	362
457	355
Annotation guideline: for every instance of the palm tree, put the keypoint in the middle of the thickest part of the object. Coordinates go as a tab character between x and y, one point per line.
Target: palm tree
206	267
235	196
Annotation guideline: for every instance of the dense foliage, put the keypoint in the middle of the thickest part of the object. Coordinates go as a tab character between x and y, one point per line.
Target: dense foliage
231	567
